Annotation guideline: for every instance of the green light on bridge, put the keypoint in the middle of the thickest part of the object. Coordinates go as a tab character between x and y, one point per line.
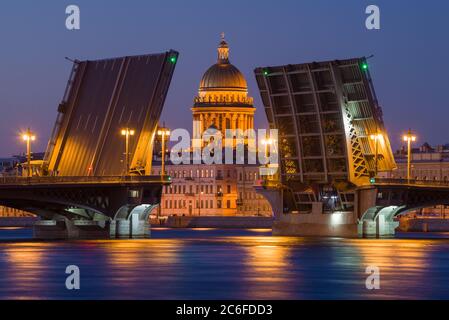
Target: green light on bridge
372	180
173	59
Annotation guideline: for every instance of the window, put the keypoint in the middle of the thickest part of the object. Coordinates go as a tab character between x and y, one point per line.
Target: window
228	204
219	204
229	189
133	193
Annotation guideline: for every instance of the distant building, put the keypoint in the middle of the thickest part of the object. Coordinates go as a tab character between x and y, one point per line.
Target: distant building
8	166
219	189
6	212
427	163
14	166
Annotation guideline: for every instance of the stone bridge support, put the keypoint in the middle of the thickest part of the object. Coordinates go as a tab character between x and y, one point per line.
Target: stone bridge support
378	222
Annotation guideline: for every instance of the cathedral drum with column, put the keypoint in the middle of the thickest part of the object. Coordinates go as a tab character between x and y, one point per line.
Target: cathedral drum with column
222	101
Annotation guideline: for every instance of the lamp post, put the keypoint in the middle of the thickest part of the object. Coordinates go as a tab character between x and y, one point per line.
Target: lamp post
28	136
409	138
376	137
163	133
267	143
199	204
127	133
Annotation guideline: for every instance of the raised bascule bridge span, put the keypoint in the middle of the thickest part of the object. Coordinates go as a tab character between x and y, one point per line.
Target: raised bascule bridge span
88	185
333	147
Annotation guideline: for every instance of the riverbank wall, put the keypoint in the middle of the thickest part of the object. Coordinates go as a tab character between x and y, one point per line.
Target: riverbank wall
219	222
18	222
423	225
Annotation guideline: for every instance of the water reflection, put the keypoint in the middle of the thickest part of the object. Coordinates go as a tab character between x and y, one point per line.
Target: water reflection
403	264
268	272
24	270
224	264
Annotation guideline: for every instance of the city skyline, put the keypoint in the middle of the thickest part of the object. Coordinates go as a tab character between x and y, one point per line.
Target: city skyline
398	48
224	157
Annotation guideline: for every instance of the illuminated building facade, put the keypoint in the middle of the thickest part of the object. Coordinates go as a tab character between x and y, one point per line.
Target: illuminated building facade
222	100
218	189
427	164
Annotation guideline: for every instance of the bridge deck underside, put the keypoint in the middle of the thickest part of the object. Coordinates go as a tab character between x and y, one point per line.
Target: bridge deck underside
81	200
104	97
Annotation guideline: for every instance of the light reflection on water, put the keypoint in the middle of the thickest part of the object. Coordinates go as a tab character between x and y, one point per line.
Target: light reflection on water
222	264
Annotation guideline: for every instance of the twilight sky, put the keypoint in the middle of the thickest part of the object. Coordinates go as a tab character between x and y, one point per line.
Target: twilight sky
410	67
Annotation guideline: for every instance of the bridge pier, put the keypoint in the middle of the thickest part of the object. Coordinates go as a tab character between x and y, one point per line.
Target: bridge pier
85	229
378	222
69	229
134	228
377	229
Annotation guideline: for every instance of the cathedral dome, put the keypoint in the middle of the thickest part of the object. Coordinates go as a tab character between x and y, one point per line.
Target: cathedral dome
223	76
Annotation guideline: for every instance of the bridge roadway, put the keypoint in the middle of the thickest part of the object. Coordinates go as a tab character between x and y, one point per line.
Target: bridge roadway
412	183
85	206
375	207
8	182
386	198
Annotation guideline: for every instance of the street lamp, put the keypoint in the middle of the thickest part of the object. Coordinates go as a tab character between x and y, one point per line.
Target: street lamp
163	133
28	136
127	133
376	137
267	143
199	203
409	138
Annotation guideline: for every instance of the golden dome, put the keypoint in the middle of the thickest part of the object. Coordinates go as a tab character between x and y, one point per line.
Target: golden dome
223	76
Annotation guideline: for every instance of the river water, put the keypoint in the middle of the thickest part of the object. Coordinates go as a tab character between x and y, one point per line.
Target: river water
224	264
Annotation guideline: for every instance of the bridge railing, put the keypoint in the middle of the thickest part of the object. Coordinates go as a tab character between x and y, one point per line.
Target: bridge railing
82	179
435	183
